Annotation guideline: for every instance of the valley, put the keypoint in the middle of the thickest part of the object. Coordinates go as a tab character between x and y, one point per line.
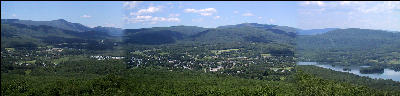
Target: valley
39	58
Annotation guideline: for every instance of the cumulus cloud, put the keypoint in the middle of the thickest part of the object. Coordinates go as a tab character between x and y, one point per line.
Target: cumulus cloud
236	12
379	7
364	7
205	14
150	9
202	12
348	2
86	16
318	3
131	4
144	16
347	14
247	14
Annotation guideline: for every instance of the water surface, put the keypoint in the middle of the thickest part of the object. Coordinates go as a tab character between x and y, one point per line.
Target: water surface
387	74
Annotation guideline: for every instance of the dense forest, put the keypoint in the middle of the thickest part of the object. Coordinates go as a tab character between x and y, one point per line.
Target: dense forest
110	77
349	78
351	47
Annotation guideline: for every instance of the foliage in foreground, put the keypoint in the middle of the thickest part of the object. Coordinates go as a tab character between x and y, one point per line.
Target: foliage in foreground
158	81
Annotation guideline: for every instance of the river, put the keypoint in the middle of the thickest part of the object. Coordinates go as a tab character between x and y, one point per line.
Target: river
387	74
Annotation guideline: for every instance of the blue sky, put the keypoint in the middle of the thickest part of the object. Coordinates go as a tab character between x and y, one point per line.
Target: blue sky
137	14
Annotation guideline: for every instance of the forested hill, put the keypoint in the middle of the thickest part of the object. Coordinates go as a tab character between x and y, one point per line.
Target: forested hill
61	33
17	35
65	25
290	31
351	46
241	33
315	31
60	23
352	38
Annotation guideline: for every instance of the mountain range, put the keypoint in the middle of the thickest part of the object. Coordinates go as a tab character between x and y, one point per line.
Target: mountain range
65	25
315	31
39	33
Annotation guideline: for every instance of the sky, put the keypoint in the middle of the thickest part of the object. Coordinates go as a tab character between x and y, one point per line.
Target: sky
383	15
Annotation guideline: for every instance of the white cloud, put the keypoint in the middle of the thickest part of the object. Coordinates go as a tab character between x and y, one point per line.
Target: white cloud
202	12
236	12
318	3
144	17
86	16
205	14
259	17
378	7
247	14
217	17
151	9
357	6
131	4
148	10
14	15
150	19
351	14
343	3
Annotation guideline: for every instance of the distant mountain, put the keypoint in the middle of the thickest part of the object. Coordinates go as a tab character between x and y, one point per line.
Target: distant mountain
351	46
60	23
350	38
274	28
31	36
110	30
315	31
65	25
184	30
160	35
247	32
43	33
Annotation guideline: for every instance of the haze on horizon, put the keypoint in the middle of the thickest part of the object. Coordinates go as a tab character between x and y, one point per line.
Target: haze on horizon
382	15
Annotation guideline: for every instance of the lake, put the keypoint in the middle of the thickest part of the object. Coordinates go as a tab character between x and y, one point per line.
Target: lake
387	74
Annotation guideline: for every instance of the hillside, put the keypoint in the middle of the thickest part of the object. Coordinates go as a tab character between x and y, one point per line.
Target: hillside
224	34
110	30
17	35
315	31
60	23
290	31
65	25
351	46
